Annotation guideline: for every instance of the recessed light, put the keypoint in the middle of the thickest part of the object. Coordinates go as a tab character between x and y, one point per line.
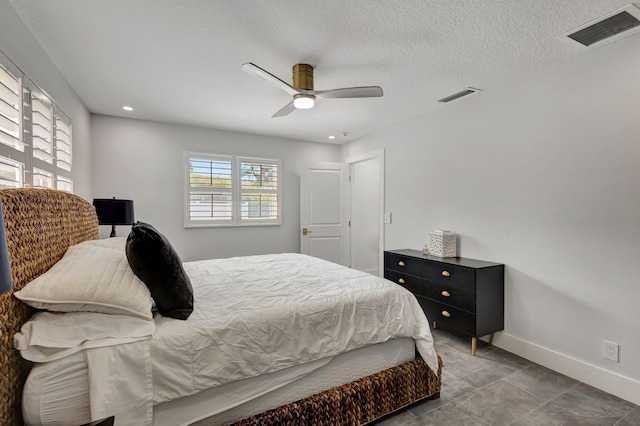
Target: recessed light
127	108
332	137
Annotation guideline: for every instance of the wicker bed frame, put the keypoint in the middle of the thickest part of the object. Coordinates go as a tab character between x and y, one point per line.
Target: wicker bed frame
41	224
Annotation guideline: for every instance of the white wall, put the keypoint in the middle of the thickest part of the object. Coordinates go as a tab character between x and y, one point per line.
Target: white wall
143	161
17	42
544	176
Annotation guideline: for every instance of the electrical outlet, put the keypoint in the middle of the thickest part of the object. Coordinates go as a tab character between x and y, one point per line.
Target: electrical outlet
610	350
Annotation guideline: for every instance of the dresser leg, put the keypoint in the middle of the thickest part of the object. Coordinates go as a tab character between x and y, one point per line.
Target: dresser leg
491	339
474	341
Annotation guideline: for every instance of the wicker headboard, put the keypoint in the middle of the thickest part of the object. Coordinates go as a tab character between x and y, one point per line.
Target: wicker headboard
40	225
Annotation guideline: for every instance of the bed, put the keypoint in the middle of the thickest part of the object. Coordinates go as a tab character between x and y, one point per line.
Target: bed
42	224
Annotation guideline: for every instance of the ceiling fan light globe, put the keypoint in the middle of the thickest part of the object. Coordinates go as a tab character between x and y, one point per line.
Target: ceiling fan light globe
304	101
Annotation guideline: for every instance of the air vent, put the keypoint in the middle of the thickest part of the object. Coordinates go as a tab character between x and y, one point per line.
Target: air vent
458	95
616	25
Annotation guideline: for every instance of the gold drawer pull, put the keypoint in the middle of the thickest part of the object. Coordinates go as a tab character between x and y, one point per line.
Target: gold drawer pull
446	274
401	263
445	293
446	314
401	280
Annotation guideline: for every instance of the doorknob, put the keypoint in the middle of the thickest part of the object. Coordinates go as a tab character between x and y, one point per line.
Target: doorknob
305	231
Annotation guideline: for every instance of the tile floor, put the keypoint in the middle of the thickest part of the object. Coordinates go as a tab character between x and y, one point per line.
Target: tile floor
498	388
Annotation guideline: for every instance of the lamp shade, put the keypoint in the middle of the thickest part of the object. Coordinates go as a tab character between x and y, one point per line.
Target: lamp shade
114	212
5	270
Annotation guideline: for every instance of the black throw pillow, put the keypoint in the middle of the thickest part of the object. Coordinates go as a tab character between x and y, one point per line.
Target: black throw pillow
156	263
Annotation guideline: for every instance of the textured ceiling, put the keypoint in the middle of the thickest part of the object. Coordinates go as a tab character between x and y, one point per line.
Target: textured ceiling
179	61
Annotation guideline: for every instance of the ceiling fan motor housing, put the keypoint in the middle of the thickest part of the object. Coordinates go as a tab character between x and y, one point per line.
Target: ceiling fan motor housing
303	76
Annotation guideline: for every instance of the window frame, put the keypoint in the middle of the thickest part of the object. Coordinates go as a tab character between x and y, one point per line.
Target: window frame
236	191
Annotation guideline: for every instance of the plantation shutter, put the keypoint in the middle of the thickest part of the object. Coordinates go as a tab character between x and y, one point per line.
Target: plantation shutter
10	100
227	190
10	173
35	135
41	127
258	190
211	189
62	138
64	184
12	155
62	128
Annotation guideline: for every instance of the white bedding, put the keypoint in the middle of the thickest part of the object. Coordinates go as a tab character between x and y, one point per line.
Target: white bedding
57	392
260	314
254	315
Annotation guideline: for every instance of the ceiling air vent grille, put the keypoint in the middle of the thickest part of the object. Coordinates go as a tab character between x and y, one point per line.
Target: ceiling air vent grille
458	95
609	27
604	29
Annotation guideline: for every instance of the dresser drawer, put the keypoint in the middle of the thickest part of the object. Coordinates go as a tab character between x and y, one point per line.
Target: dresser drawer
406	264
455	276
411	283
452	296
449	316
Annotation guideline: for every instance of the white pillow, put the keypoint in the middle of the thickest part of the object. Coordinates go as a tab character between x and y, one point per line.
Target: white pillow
116	243
89	278
48	336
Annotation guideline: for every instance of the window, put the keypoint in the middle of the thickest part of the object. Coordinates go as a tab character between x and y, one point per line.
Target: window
231	191
35	135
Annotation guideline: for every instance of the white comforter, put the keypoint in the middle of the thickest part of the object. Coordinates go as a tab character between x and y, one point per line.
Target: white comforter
258	314
253	315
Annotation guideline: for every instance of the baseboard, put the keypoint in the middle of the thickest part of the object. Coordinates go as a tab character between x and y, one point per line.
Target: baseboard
608	381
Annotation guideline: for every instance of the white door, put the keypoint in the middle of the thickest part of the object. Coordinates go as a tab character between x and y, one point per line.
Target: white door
367	214
324	212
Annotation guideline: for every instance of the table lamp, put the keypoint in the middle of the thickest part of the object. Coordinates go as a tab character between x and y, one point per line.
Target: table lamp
114	212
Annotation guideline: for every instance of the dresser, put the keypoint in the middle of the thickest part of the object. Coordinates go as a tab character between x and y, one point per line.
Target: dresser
464	294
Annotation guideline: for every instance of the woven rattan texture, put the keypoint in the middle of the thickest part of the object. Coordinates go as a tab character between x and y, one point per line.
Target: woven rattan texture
359	402
40	225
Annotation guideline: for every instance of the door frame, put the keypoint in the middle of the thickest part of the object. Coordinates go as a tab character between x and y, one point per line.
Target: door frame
379	154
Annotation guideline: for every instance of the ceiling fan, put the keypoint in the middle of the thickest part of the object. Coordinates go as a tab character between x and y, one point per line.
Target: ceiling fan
302	90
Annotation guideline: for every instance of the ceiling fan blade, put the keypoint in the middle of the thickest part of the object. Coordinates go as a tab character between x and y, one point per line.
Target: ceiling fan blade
350	92
256	71
285	110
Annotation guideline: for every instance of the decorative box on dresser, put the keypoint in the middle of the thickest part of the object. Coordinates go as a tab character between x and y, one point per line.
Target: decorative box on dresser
463	294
